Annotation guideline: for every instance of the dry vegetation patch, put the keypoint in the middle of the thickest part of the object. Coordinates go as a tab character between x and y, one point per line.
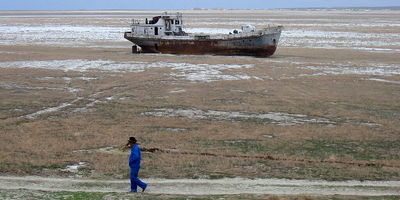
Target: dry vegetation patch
81	113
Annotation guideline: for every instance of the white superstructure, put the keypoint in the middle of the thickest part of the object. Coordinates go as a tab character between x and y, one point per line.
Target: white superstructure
163	25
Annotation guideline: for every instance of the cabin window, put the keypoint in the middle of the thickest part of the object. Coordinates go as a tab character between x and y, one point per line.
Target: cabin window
176	21
168	25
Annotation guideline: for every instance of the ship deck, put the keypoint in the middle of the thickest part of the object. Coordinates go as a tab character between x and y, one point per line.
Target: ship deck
205	36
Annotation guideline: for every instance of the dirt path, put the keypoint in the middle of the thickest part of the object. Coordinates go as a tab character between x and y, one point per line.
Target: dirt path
208	187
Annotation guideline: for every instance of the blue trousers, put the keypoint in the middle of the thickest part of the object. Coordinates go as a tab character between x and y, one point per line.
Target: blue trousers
135	181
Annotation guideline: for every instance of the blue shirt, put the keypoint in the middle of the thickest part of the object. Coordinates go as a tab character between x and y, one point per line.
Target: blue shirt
135	157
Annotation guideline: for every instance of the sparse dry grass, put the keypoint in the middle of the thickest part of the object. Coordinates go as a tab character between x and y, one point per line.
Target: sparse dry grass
47	143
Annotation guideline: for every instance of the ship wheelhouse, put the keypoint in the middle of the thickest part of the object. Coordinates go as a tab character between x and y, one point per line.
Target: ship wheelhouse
163	25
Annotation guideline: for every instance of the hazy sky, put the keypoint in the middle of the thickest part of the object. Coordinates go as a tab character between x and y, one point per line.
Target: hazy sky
183	4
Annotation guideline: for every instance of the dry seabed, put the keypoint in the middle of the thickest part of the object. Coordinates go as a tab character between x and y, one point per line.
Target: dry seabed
188	71
278	118
209	187
70	83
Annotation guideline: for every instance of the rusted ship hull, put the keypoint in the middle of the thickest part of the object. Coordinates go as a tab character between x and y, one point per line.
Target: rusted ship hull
262	45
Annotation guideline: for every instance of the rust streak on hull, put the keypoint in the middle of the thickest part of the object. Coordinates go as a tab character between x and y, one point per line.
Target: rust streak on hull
199	47
164	34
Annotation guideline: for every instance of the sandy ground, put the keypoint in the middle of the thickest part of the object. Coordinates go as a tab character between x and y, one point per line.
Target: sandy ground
209	187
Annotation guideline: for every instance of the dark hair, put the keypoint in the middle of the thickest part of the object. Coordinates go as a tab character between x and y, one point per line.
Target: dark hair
132	140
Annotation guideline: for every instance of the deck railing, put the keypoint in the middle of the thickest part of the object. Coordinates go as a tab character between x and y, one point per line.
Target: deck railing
265	31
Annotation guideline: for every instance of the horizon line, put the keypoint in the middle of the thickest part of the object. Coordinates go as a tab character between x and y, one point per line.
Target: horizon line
196	8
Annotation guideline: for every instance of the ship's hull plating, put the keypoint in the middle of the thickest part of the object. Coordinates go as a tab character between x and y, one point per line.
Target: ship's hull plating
263	45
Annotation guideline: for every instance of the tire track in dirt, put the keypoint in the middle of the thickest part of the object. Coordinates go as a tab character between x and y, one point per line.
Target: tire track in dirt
91	101
208	187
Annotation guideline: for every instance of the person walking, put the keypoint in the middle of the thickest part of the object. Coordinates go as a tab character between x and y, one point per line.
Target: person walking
134	164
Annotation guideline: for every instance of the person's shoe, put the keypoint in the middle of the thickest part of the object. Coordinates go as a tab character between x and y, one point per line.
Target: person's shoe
143	189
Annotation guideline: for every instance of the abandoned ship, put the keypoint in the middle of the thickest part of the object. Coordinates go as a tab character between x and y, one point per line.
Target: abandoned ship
164	34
